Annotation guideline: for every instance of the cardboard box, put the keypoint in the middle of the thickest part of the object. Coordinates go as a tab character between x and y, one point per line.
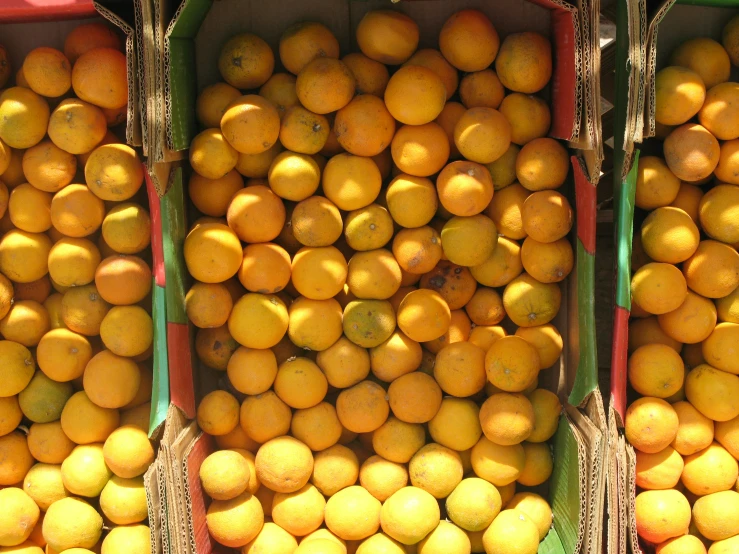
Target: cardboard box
669	24
193	39
46	23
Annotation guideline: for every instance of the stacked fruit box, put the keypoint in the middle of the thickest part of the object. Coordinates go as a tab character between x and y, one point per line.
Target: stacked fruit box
376	282
84	368
674	373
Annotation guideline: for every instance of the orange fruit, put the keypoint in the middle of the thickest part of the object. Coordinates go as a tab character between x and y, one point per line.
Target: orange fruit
212	103
100	77
706	57
464	188
24	117
303	131
88	36
658	288
434	60
371	75
718	114
661	515
364	126
246	61
325	85
691	152
546	216
351	182
49	168
656	185
386	36
651	424
692	322
679	94
481	89
251	124
524	62
415	95
482	135
302	42
528	115
420	150
469	41
256	214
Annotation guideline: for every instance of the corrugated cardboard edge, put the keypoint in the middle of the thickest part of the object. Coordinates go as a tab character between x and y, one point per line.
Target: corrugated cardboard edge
593	425
141	24
179	451
651	68
152	478
616	512
133	122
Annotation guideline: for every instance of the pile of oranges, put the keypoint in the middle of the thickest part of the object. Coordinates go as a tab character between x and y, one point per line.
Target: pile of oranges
377	268
75	305
684	335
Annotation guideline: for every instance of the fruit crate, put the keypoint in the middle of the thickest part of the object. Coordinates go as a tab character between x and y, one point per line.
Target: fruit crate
26	25
193	37
647	33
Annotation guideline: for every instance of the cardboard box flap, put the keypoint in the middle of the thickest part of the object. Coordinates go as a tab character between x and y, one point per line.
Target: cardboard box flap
123	17
179	77
153	504
23	11
586	377
178	451
141	24
616	512
624	231
567	486
174	230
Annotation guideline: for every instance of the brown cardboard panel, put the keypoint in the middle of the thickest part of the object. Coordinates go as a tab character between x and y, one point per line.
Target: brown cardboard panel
152	479
181	446
616	512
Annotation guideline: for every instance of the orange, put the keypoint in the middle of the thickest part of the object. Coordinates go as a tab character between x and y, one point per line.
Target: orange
211	156
423	315
362	408
72	262
448	119
100	77
713	392
417	250
658	288
325	85
528	115
505	211
208	305
30	209
717	213
212	253
49	168
24	256
265	268
651	424
512	363
303	131
303	42
454	283
114	172
319	273
465	188
692	322
386	36
481	89
280	91
459	330
541	164
434	60
83	310
529	302
482	135
691	152
469	41
706	57
710	470
246	61
24	116
212	103
369	228
656	370
669	235
414	397
485	307
661	515
660	470
713	270
679	94
264	417
411	201
727	168
251	124
364	126
123	279
212	196
256	214
257	165
127	228
127	330
373	275
687	544
351	182
507	419
524	62
420	150
460	369
718	348
714	516
469	241
305	313
77	127
547	262
415	95
26	323
88	36
718	114
76	212
398	441
546	216
656	185
258	320
371	76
